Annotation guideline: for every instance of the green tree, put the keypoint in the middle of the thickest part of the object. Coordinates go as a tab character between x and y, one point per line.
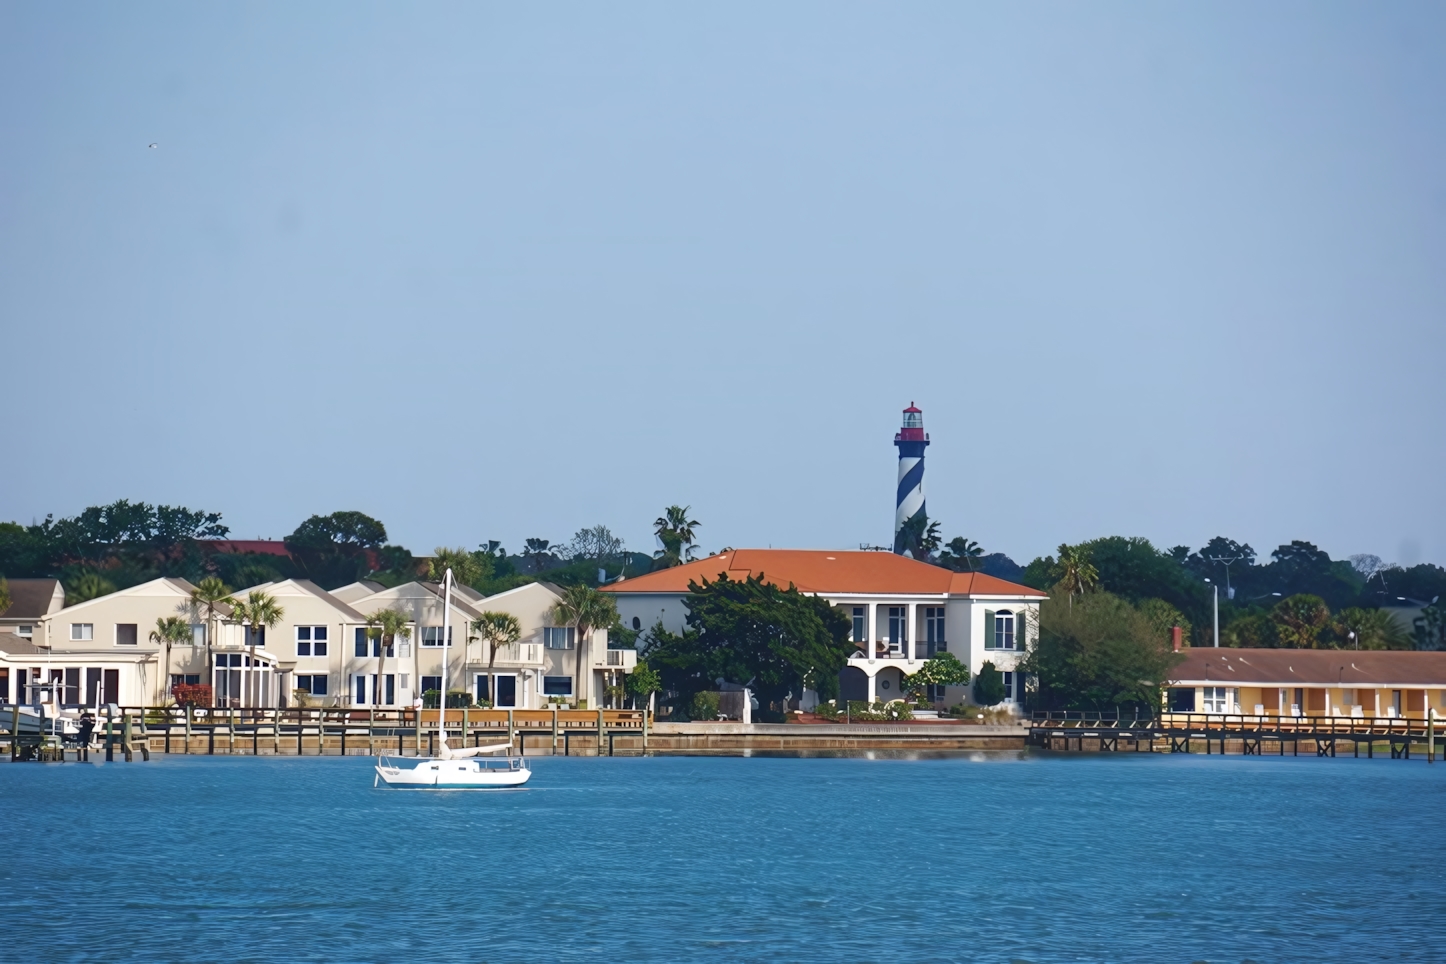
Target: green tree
1431	632
535	552
676	533
1252	630
210	598
942	669
642	683
749	631
169	631
260	611
1097	652
333	550
4	595
1299	620
588	609
1163	617
387	626
1074	572
87	586
961	554
467	567
496	629
1356	628
988	685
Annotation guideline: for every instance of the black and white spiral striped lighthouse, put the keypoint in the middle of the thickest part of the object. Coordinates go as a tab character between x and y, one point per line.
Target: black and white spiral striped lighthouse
911	442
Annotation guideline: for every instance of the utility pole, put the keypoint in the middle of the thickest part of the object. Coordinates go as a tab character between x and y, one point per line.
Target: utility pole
1227	562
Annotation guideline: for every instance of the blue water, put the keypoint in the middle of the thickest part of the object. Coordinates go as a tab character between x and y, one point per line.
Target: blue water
1096	858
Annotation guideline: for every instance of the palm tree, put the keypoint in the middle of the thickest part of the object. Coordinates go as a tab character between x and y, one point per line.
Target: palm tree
675	531
262	612
209	596
464	565
386	625
962	552
1075	571
169	631
587	609
497	629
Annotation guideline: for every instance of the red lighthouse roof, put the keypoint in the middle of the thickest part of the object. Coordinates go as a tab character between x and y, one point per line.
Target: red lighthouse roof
913	427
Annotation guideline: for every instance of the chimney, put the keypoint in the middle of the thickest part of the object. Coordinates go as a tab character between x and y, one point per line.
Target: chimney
1175	634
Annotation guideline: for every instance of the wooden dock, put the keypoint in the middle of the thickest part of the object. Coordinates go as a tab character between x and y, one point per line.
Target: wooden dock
1245	735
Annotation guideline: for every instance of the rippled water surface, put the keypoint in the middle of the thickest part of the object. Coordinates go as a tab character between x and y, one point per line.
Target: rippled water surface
1130	858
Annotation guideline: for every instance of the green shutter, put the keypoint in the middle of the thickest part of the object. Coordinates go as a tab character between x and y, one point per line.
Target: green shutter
988	629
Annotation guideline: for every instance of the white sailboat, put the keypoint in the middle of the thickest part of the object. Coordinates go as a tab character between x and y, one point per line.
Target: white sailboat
465	768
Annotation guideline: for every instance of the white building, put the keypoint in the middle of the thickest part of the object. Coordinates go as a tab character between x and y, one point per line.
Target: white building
903	611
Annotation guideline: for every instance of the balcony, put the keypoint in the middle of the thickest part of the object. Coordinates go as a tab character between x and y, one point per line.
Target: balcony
616	659
900	651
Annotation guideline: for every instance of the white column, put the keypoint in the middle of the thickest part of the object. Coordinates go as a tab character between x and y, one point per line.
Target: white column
873	634
911	632
872	697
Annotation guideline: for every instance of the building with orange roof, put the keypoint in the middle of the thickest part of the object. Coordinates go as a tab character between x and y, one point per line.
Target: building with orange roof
904	611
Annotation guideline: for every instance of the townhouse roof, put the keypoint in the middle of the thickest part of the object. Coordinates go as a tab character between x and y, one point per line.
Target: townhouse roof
176	584
17	645
307	586
828	572
31	598
1311	667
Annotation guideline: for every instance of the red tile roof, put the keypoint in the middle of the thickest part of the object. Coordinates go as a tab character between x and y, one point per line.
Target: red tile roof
826	571
1305	667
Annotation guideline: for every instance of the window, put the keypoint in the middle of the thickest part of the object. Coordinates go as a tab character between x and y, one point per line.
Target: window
898	626
559	637
185	679
1214	697
311	641
1009	687
935	694
859	612
314	684
431	683
637	623
432	636
934	629
198	634
125	634
365	644
82	631
1003	635
557	685
26	631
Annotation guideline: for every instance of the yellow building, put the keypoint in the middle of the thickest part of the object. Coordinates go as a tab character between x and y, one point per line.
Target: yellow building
1310	682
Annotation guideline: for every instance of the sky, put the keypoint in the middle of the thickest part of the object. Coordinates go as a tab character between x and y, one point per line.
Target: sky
498	270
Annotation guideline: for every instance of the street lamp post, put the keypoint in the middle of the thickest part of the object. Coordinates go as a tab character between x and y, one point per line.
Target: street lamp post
1215	592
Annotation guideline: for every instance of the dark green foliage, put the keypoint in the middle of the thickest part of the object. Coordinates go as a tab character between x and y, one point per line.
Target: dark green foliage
125	542
458	699
430	698
1099	652
776	641
1135	570
704	706
333	550
1422	583
943	669
988	685
1299	620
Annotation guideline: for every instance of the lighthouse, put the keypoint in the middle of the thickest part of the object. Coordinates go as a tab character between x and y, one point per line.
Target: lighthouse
909	501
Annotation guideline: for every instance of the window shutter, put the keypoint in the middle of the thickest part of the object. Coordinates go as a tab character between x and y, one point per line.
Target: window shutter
988	629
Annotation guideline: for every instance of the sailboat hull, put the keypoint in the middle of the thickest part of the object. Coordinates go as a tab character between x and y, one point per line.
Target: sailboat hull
474	774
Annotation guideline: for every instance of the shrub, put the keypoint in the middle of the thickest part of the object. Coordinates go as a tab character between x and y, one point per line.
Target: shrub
430	698
458	699
704	706
827	711
988	685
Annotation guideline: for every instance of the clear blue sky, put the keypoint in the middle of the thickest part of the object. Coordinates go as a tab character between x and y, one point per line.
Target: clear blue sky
506	270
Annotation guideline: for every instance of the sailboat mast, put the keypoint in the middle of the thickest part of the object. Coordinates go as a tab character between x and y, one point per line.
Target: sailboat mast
446	643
